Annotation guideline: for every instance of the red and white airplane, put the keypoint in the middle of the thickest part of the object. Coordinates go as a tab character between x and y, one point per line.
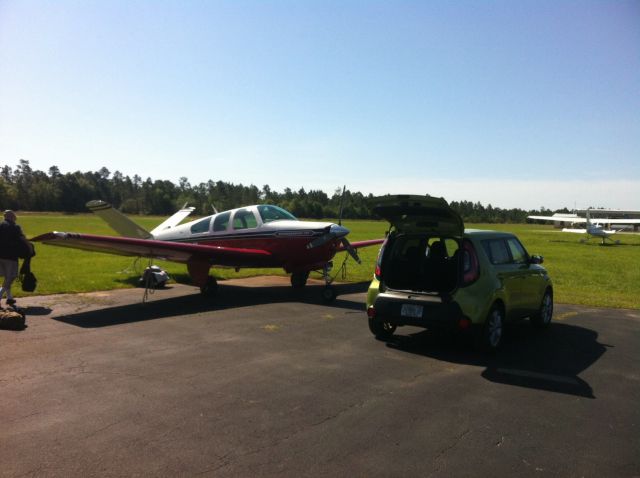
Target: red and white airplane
253	236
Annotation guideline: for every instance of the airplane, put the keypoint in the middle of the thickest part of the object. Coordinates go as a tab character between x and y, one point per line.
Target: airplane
256	236
592	229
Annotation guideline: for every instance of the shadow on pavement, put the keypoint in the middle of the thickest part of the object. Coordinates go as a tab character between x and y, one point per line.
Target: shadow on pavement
228	296
548	360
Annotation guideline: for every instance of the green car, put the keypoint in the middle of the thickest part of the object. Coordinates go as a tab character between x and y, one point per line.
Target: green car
433	273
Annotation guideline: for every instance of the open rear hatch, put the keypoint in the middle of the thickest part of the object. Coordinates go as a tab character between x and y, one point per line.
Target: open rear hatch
423	214
423	250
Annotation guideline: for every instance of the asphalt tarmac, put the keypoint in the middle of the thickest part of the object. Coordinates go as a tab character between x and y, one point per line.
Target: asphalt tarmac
268	381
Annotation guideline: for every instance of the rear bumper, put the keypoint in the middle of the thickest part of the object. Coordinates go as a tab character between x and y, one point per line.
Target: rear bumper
429	311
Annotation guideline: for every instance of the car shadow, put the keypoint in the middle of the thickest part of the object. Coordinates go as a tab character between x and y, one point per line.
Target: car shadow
228	297
549	359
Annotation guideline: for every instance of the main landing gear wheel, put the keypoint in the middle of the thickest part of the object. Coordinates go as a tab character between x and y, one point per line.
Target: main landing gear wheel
210	289
299	279
329	294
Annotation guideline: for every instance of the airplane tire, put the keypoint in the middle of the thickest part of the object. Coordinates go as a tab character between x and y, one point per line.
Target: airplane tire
329	294
210	289
299	279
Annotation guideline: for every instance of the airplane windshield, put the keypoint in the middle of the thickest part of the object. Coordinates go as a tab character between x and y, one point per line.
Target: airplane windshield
270	213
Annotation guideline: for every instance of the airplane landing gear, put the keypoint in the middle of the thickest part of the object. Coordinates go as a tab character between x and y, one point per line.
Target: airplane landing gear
329	293
299	279
210	289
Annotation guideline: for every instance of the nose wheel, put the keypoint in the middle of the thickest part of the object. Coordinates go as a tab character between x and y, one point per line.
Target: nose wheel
329	293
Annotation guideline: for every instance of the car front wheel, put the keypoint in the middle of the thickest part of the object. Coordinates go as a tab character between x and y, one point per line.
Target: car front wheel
542	318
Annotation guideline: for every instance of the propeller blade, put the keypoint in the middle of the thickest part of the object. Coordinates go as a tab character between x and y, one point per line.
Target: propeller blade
341	204
350	249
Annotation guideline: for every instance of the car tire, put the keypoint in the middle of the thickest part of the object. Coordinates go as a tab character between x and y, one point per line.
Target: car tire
490	337
542	318
381	328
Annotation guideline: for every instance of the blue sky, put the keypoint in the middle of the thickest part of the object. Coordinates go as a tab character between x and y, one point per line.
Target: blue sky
517	104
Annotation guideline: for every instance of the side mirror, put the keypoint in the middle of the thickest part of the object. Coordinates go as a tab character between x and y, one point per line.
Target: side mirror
536	260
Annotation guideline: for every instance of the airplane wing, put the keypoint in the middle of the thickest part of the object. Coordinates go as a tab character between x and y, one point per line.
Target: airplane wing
615	221
579	220
359	244
575	220
171	251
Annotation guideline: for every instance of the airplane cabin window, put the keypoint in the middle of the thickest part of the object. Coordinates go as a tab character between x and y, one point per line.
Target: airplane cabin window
201	226
244	219
221	222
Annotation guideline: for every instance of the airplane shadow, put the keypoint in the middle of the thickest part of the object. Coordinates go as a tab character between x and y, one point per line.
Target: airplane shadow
548	360
228	296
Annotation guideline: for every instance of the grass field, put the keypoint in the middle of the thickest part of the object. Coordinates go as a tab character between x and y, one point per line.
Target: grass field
586	274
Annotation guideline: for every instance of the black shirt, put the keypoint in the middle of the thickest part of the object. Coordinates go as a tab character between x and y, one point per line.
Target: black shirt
11	239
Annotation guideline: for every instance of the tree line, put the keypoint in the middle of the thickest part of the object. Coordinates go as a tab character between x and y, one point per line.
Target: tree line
23	188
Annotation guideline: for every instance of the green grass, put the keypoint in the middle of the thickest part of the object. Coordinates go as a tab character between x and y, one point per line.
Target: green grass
586	274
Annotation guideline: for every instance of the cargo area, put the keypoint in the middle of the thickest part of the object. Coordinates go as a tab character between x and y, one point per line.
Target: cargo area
418	263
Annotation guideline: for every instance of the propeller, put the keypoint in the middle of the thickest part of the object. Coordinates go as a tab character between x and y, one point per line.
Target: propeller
334	231
351	250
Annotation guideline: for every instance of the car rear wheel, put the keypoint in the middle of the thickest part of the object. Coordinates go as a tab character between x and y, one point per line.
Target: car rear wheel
381	328
542	318
491	335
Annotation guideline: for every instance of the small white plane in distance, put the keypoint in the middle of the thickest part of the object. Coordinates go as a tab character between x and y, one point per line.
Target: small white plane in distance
593	229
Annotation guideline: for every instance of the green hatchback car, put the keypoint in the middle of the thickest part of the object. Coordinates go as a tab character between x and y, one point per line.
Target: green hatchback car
433	273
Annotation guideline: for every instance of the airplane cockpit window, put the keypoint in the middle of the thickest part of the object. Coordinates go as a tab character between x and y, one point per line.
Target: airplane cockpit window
201	226
244	219
221	222
274	213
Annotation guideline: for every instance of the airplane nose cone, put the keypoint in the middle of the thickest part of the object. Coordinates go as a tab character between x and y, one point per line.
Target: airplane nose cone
338	231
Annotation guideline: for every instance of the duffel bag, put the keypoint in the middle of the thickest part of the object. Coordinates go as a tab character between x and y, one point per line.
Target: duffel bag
11	319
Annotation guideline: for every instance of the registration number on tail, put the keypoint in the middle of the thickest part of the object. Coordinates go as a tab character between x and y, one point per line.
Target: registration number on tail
411	310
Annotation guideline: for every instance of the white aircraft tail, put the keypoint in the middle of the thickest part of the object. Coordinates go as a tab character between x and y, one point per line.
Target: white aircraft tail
174	220
126	227
118	221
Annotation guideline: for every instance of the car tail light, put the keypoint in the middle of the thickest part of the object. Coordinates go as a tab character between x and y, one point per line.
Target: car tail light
464	323
371	312
470	264
378	271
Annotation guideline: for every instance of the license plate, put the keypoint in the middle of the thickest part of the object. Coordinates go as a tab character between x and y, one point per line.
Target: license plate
411	310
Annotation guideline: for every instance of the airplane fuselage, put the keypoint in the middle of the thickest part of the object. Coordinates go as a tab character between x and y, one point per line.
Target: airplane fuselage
269	228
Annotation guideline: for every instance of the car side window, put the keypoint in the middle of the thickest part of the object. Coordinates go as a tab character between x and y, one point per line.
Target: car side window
201	226
517	251
497	251
244	219
221	222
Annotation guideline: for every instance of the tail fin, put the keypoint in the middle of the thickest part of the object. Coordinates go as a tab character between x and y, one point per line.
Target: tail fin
173	220
118	221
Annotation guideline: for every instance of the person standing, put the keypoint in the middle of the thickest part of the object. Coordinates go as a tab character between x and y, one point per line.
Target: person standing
11	243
